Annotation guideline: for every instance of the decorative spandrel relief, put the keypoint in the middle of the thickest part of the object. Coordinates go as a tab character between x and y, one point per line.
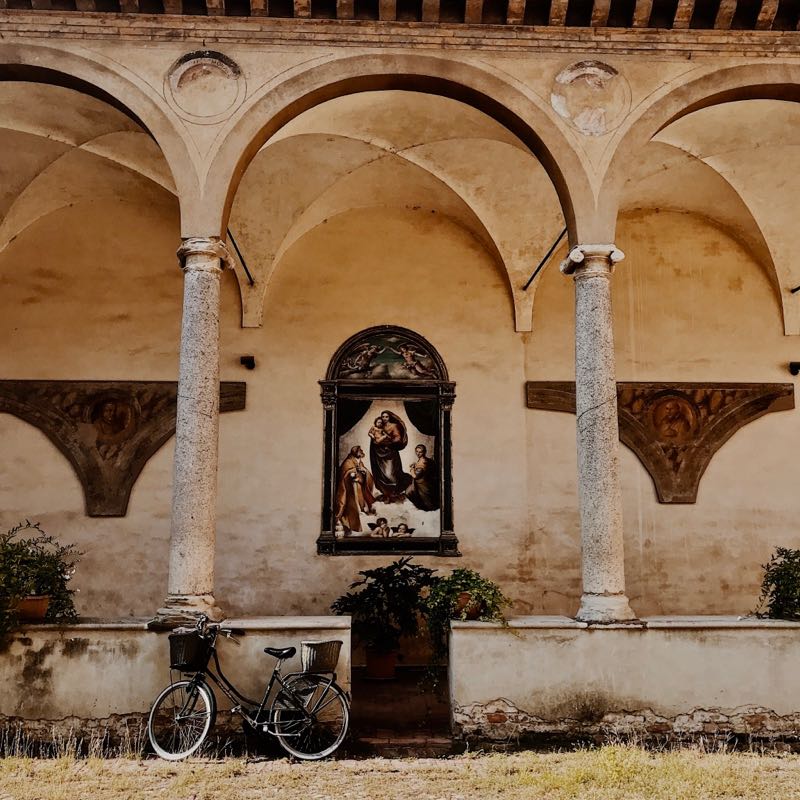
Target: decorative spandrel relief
676	428
205	86
591	96
107	430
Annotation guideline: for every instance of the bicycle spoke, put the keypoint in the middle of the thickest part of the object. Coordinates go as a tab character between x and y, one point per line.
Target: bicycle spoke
320	732
180	719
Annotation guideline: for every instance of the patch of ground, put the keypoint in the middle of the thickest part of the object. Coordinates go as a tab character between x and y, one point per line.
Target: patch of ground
608	773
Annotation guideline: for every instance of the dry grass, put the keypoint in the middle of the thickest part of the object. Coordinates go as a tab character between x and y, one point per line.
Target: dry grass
610	773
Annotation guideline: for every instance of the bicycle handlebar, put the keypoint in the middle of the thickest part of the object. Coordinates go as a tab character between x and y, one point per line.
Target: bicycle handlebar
204	627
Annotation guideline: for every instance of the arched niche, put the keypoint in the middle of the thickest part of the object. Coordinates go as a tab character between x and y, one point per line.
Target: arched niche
387	465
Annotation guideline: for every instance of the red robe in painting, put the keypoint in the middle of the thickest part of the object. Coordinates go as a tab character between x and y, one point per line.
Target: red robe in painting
355	491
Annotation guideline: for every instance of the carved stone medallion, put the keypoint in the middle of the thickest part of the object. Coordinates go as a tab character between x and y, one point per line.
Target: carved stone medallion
205	86
107	430
591	96
675	429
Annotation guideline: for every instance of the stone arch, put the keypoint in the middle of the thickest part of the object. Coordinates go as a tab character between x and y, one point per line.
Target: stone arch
280	101
743	82
101	79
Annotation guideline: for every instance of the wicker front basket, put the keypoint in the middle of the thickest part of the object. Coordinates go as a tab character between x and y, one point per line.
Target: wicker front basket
188	651
319	656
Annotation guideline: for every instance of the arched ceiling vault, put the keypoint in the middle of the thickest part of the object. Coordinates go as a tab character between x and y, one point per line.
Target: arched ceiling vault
734	164
86	151
515	214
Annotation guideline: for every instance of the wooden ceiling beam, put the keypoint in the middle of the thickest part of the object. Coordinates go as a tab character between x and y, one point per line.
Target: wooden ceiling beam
641	13
387	10
515	15
473	12
727	8
558	13
430	10
683	14
766	16
600	10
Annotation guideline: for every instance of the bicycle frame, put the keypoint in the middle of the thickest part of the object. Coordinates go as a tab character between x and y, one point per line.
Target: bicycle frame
238	699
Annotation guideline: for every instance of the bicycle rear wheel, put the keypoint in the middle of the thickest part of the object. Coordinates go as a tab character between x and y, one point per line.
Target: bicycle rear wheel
319	732
180	719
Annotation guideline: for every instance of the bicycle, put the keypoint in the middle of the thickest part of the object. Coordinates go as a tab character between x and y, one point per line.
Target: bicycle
308	712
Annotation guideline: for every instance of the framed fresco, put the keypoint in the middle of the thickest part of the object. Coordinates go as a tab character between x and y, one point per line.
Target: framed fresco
387	466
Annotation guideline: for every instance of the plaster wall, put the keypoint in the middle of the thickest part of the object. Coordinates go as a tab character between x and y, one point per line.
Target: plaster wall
92	290
98	671
690	304
514	480
550	676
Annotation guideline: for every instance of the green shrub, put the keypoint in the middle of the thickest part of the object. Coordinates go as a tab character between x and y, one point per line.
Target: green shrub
780	587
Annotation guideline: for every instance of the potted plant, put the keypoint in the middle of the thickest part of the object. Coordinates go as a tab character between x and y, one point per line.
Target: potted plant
464	594
34	574
386	605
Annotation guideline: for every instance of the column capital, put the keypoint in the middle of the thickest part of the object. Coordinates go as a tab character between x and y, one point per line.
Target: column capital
212	248
588	260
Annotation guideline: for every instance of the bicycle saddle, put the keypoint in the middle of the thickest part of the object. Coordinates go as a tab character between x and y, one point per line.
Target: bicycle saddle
280	652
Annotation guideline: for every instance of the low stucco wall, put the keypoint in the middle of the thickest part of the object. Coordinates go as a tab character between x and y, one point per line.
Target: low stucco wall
685	676
102	675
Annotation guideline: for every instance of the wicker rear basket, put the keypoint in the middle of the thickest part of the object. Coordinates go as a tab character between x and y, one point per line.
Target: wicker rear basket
188	651
320	656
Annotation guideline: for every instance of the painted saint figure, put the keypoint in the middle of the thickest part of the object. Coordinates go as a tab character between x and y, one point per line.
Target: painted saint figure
114	422
355	491
388	437
425	492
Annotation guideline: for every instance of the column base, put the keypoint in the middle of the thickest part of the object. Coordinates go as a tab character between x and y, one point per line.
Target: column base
182	609
605	608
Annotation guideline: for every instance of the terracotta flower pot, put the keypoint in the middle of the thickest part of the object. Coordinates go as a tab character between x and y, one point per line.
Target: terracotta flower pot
33	608
473	607
381	666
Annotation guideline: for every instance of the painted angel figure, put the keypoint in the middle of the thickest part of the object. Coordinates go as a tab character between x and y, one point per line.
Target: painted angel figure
411	361
360	361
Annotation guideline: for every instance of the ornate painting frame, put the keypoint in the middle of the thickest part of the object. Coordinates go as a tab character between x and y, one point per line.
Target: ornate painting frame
397	374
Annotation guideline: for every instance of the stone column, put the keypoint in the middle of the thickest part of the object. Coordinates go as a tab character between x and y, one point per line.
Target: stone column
603	566
194	499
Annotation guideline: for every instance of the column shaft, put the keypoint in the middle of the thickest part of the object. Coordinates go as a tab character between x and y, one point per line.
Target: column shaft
194	503
602	555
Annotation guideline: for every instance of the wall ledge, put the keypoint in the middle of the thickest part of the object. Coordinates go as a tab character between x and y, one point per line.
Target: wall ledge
698	622
245	623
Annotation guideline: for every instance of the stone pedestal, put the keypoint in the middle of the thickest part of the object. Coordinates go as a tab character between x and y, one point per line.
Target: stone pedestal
193	531
603	598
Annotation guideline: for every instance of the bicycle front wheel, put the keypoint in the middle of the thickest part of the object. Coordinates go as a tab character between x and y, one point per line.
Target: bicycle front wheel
319	732
180	719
